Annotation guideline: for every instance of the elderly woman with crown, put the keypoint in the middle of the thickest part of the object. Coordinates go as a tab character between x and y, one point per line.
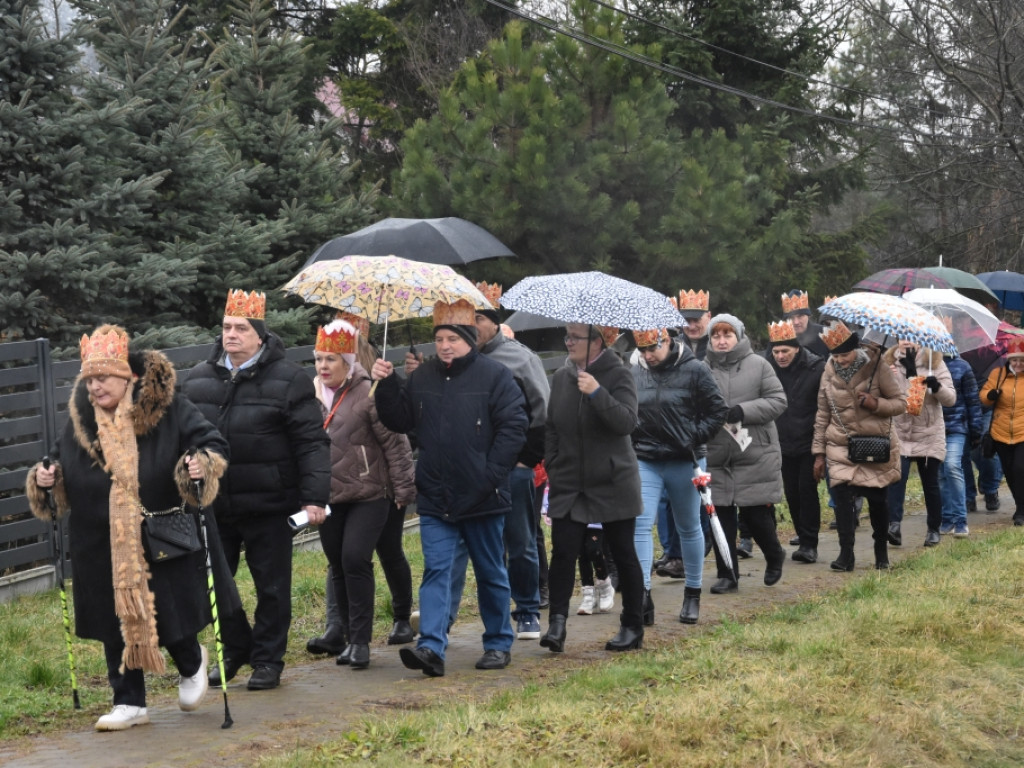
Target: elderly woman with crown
858	396
369	463
127	450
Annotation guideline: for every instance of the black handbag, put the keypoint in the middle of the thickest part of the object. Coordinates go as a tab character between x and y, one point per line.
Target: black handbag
865	449
169	533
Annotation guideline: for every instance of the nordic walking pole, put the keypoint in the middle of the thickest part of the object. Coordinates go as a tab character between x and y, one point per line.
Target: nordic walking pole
228	722
58	549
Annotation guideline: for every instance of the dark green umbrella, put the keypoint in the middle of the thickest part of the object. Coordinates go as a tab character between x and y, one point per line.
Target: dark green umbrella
966	283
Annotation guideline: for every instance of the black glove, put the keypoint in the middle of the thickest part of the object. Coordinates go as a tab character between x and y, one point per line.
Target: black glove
993	394
975	441
909	365
932	383
735	415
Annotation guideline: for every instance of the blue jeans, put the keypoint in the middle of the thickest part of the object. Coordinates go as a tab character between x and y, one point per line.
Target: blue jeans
951	481
667	529
483	540
523	562
675	477
990	471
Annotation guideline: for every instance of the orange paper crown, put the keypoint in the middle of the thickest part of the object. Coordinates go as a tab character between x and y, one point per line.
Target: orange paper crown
491	292
835	335
1016	347
650	338
459	313
608	334
694	300
829	298
781	331
105	353
361	324
338	338
251	306
795	302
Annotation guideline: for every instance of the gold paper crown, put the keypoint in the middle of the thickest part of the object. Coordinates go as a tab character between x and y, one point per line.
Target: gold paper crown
694	300
781	331
459	313
1016	347
608	334
361	324
835	335
336	341
650	338
491	292
829	298
105	353
795	302
251	306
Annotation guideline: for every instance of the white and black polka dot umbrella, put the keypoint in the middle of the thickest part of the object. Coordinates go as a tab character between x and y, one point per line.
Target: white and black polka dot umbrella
593	298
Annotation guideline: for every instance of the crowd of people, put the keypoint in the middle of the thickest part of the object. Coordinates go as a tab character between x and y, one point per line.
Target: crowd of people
605	451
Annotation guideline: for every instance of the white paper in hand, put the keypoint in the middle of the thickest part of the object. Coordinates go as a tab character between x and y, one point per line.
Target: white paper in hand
740	434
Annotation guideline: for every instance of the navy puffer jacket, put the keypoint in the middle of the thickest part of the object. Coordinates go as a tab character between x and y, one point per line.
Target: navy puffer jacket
470	421
964	416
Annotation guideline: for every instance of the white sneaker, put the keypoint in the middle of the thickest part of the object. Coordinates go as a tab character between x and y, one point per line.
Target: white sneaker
587	605
192	689
605	595
122	717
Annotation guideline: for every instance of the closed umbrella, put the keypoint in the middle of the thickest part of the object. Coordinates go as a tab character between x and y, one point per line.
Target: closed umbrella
702	482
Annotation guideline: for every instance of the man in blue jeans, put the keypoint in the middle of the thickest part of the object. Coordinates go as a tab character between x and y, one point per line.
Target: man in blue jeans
963	422
470	421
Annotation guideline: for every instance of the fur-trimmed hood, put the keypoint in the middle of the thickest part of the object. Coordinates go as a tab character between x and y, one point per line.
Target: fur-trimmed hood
152	394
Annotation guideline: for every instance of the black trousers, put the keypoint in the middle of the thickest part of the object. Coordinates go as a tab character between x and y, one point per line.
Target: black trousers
802	496
1011	457
268	554
130	686
844	496
567	539
760	521
349	537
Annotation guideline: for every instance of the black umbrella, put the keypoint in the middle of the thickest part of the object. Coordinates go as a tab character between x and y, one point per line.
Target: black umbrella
527	321
436	241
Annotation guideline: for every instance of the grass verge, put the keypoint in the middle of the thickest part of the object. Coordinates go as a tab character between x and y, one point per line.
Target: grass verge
921	666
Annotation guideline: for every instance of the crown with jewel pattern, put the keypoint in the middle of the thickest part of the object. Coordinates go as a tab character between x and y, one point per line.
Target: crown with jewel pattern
782	332
491	292
836	335
829	298
608	333
460	312
361	324
650	338
693	301
1016	347
338	338
795	301
251	306
105	353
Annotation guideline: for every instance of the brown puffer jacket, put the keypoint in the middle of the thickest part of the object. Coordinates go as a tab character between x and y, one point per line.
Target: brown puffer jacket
923	434
830	437
368	461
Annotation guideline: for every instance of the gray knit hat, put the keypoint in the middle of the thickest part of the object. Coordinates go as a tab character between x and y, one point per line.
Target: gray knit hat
731	320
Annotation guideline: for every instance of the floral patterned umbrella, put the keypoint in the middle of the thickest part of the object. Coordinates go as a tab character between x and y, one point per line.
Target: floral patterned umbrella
382	288
593	298
892	316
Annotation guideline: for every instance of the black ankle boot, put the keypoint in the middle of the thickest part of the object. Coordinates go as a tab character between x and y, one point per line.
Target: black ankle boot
648	609
554	639
628	639
882	555
691	605
345	657
845	560
332	641
401	633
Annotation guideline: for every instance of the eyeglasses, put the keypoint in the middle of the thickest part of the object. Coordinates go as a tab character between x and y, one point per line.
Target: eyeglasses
570	339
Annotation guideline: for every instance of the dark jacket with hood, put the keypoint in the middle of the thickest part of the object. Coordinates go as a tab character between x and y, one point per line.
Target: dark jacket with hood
800	382
470	422
592	469
679	407
269	414
166	427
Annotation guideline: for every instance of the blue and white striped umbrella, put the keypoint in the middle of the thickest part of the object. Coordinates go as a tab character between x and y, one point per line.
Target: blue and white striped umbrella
892	316
593	298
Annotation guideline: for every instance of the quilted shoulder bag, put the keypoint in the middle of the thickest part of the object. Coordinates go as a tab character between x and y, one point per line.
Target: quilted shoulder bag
864	449
169	533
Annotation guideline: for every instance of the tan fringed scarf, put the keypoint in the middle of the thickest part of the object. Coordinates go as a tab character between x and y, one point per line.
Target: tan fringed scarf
133	602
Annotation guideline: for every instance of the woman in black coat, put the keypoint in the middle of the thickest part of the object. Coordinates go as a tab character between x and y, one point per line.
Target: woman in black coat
127	423
593	476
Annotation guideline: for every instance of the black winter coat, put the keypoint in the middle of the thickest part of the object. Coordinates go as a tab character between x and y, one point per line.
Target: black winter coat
679	407
166	426
589	455
269	414
800	382
470	421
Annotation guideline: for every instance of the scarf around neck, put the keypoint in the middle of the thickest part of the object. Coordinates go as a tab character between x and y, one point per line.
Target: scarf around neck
134	603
